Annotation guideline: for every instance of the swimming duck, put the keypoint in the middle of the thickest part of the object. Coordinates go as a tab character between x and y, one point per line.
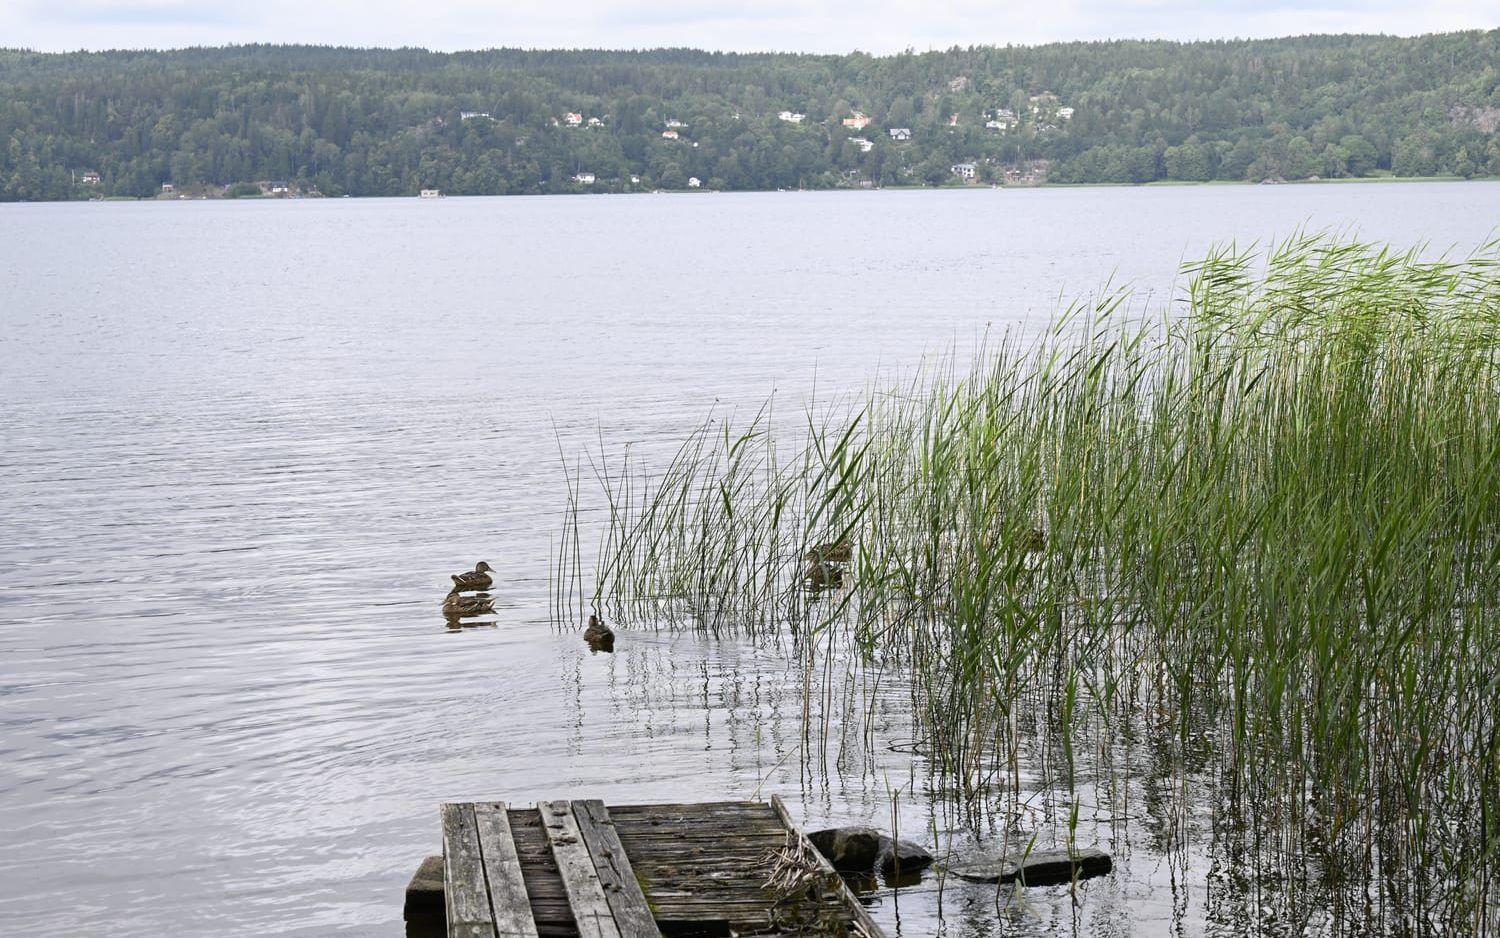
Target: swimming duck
822	575
476	579
456	606
839	551
598	635
1034	541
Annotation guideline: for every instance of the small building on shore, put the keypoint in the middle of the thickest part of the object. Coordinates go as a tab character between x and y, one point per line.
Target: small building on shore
586	179
90	178
964	171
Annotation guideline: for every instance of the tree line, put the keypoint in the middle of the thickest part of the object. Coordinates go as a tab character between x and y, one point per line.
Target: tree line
361	122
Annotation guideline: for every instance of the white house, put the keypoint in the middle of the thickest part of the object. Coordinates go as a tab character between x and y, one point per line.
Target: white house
573	118
634	179
91	178
996	125
791	117
473	115
168	187
669	122
865	146
595	122
900	133
694	182
280	188
670	134
964	170
1066	113
586	179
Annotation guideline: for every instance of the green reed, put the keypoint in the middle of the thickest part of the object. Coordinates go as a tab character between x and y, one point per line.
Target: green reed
1270	520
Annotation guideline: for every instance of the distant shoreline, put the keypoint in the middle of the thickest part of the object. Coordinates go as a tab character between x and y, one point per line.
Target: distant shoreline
1154	184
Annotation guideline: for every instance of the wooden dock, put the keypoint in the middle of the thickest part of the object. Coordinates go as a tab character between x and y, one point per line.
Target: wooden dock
577	868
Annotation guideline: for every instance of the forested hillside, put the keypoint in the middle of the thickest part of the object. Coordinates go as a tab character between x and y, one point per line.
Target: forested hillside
388	122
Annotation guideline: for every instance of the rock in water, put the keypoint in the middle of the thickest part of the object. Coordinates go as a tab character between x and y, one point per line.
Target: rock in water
854	849
1039	868
899	857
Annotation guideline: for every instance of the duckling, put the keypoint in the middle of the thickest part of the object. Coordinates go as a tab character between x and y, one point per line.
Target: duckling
839	551
476	579
456	606
599	636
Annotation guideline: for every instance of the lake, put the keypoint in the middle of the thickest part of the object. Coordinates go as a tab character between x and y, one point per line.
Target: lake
245	443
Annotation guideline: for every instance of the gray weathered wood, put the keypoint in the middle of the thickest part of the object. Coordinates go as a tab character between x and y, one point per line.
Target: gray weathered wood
466	900
862	921
510	906
586	896
623	892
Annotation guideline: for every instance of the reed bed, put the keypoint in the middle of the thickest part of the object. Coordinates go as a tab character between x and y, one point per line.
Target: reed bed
1265	525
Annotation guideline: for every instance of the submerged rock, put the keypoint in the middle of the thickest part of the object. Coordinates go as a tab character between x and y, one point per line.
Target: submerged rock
898	858
862	849
1039	868
853	849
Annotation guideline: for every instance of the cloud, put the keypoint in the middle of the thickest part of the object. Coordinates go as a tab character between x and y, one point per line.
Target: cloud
879	26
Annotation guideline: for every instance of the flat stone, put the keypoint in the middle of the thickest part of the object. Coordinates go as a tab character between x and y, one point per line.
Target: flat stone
900	857
1040	868
849	848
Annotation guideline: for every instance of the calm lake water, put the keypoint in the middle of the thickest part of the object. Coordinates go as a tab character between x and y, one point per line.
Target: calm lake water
243	445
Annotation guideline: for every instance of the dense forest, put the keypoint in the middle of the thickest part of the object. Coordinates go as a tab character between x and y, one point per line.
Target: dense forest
389	122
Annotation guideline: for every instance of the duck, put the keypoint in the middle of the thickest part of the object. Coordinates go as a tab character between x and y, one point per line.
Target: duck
839	551
598	635
476	579
456	606
1034	541
822	575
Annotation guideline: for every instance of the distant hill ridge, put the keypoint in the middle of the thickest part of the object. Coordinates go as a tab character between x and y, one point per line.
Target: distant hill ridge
338	121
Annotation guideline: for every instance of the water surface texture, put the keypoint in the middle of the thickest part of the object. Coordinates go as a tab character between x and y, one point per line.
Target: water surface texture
243	444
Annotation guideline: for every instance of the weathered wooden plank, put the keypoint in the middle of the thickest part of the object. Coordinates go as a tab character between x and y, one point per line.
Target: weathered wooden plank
586	897
862	919
632	914
510	906
466	900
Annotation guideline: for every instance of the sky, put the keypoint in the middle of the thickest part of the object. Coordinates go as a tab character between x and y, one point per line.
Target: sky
876	26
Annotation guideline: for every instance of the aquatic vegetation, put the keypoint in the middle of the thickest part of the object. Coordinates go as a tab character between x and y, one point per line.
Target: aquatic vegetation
1266	524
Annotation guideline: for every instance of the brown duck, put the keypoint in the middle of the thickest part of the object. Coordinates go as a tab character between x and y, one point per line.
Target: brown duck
476	579
839	551
598	635
458	607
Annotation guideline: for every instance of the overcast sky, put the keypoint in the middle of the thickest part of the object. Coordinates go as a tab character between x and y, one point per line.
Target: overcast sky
879	26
